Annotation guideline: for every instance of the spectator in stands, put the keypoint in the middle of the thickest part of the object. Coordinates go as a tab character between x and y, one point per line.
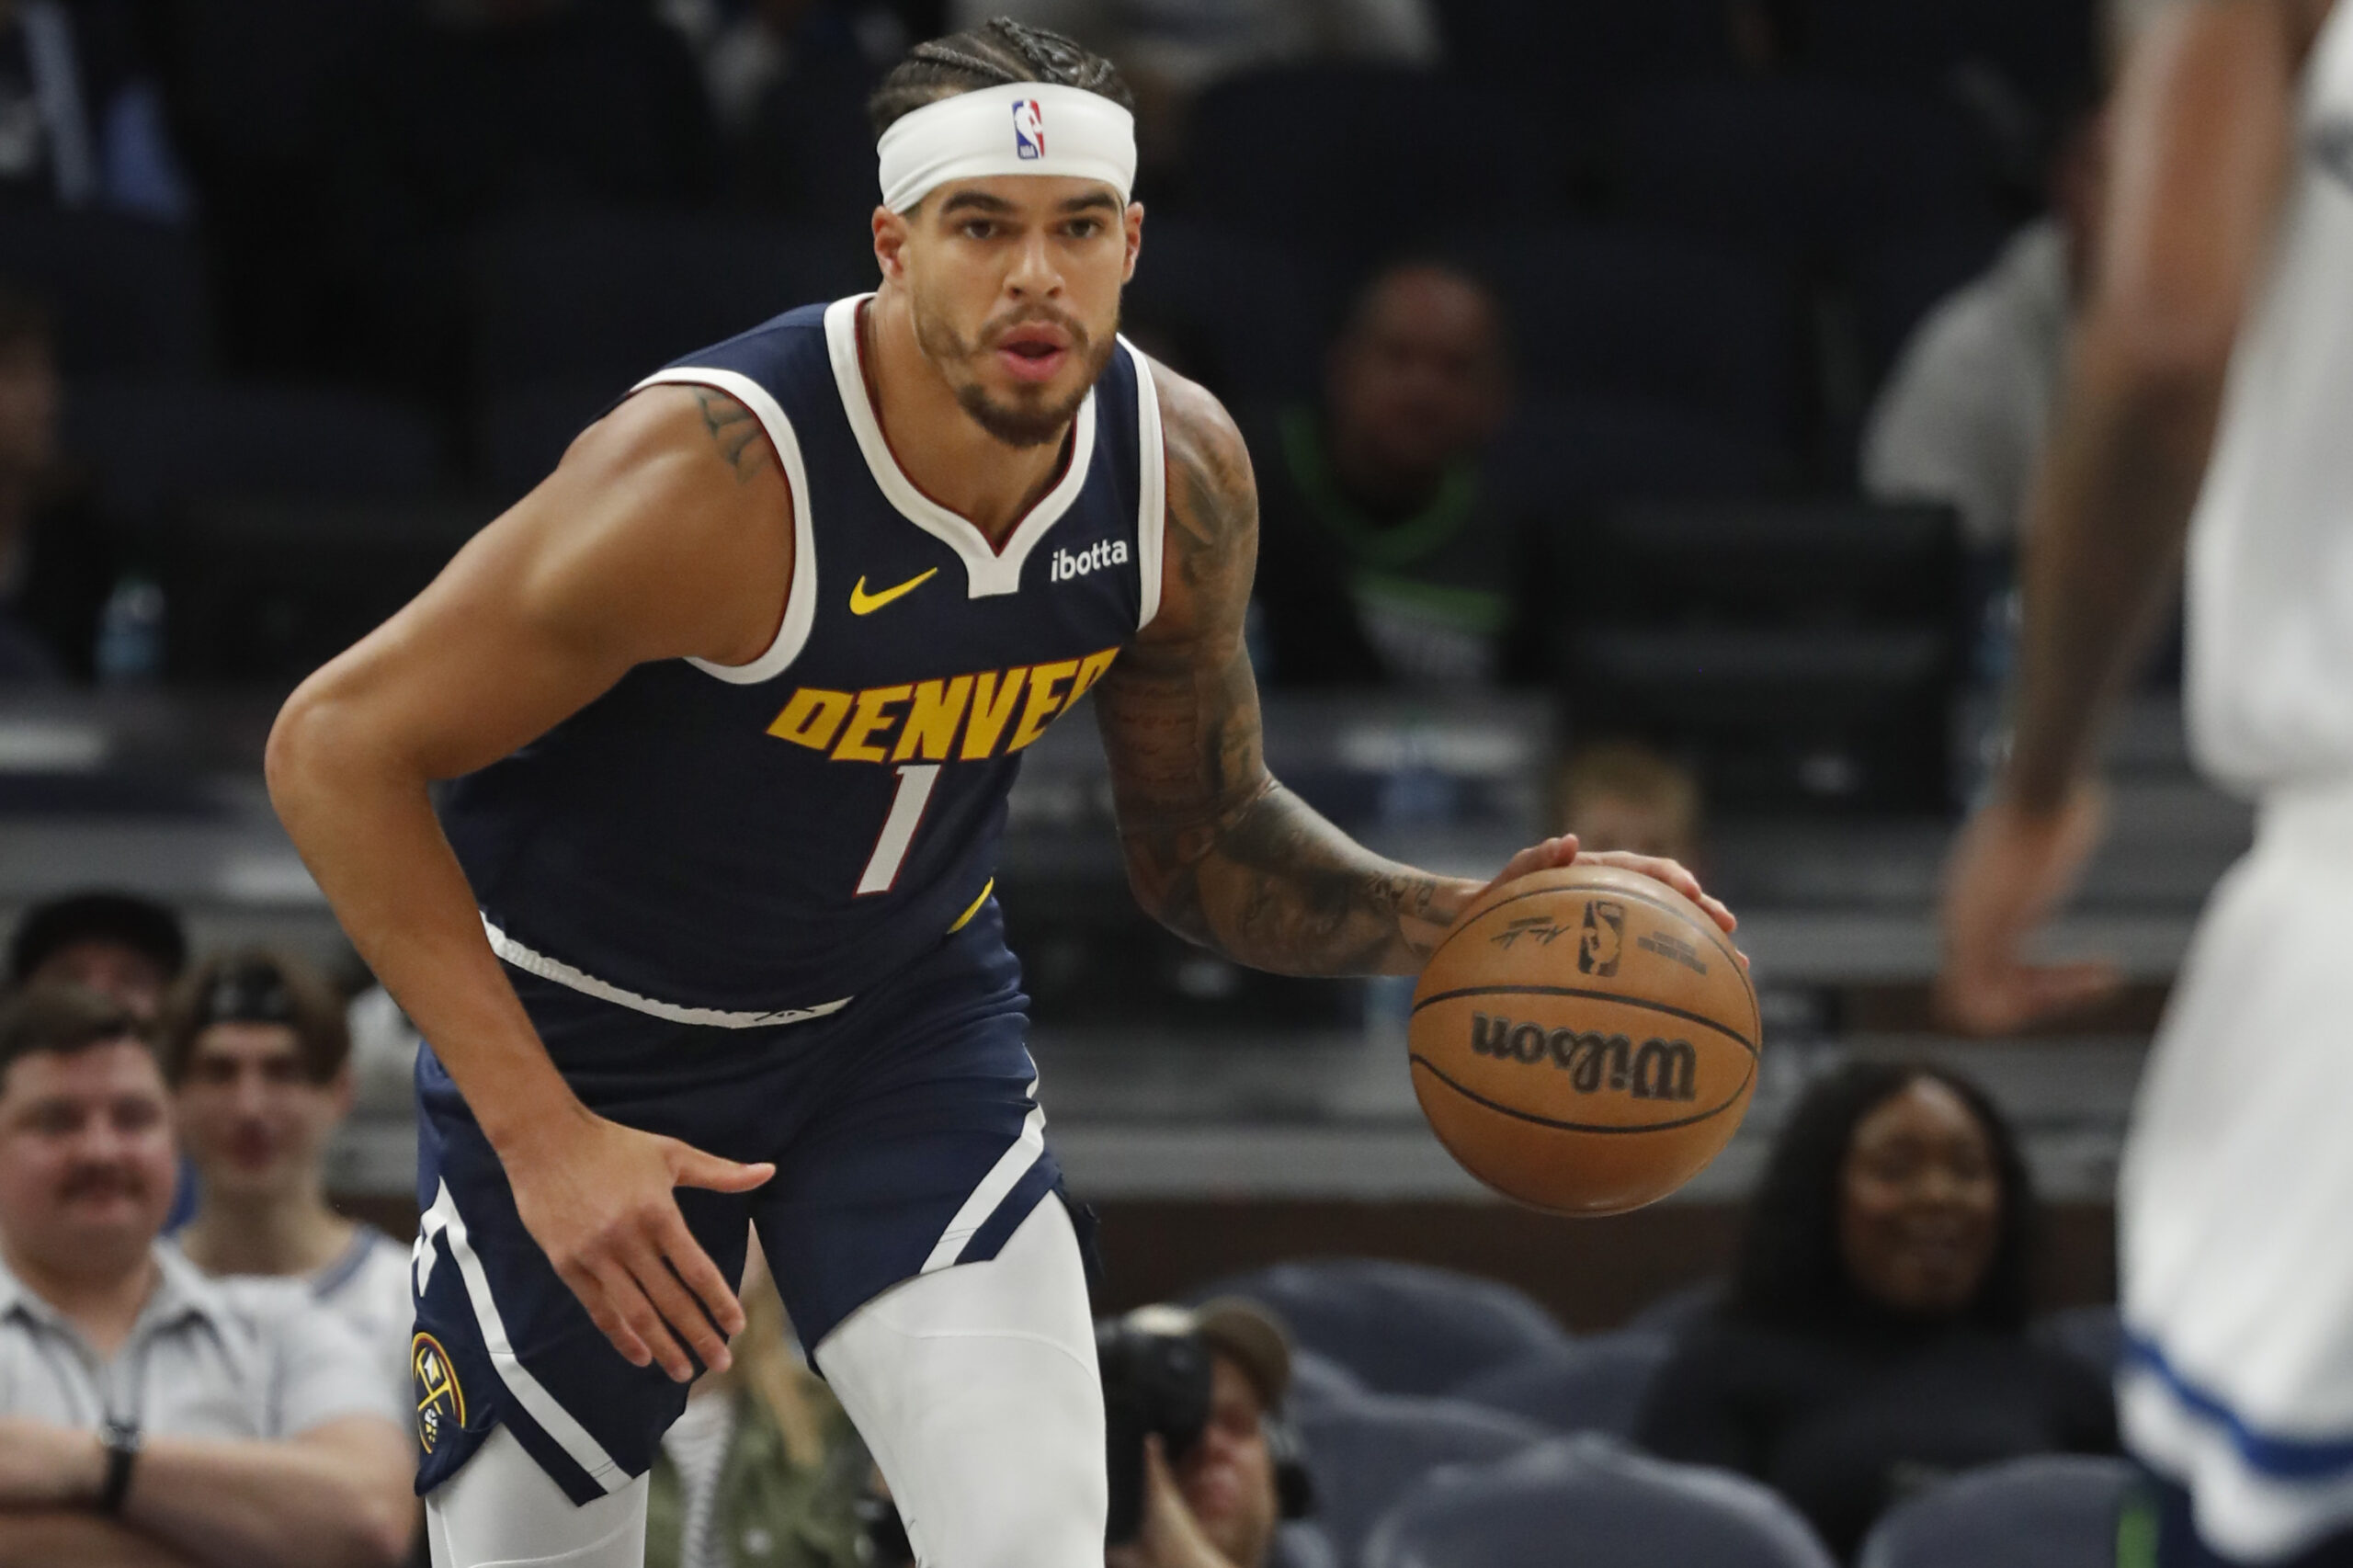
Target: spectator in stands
1220	1504
1962	415
1873	1338
1623	795
121	946
81	120
763	1466
57	564
239	1422
1169	53
256	1049
1386	554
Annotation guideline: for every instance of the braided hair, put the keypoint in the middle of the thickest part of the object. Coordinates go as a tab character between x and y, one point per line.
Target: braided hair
998	52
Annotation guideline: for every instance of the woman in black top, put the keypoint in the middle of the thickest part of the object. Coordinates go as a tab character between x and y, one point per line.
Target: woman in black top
1874	1340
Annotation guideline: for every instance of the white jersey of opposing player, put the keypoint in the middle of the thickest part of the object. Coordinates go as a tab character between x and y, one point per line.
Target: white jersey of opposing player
2234	1200
2270	590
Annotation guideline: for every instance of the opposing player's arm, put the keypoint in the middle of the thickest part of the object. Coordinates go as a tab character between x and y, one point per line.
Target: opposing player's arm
2202	138
1217	849
666	531
2202	141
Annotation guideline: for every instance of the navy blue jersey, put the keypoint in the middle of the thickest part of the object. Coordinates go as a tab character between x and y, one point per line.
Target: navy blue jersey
739	844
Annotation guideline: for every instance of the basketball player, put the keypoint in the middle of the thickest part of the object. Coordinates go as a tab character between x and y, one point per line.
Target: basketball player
2211	398
704	930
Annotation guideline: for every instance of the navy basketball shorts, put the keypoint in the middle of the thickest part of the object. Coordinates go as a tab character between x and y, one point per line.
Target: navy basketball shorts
906	1137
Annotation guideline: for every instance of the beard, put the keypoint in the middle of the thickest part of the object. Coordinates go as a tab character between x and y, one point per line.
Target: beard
1027	419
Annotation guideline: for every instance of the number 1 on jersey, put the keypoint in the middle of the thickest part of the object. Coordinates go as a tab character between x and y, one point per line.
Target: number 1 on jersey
915	779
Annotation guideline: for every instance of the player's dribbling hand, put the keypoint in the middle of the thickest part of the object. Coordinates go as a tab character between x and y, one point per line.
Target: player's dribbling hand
1555	853
600	1200
2007	870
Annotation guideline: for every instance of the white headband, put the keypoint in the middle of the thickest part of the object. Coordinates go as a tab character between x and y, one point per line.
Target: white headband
1021	128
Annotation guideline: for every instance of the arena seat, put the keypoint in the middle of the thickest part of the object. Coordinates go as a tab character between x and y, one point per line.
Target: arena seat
2093	1336
1563	455
2042	47
520	432
1336	158
266	590
125	296
1677	1310
1365	1453
1245	317
1804	166
157	442
1626	313
1404	1328
1595	1384
1579	47
1898	280
2047	1511
1320	1380
595	295
1621	1509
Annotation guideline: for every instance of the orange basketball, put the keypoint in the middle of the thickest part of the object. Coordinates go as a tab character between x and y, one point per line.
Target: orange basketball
1584	1041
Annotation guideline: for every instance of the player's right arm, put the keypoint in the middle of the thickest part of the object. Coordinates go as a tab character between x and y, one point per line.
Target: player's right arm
664	533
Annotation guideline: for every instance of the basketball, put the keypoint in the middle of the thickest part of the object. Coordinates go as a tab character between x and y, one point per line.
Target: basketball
1584	1041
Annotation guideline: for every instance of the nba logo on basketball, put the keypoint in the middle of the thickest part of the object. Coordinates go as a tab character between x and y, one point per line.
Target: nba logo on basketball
1028	130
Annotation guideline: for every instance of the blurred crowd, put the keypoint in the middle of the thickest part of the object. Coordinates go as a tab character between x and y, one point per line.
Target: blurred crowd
293	295
171	1259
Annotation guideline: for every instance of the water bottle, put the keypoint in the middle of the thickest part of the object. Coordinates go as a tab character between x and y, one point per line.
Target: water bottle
130	633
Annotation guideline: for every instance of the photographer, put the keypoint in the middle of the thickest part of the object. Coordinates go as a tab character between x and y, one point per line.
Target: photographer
1199	1394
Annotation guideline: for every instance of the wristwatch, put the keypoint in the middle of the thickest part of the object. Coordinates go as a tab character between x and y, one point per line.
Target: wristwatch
120	1441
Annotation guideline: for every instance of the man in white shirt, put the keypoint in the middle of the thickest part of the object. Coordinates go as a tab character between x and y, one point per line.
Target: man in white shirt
149	1416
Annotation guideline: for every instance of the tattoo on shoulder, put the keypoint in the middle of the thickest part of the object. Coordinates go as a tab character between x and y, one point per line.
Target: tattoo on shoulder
734	431
1213	497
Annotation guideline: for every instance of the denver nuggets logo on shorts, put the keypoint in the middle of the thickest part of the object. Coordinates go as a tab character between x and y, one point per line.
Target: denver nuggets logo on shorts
1028	129
439	1400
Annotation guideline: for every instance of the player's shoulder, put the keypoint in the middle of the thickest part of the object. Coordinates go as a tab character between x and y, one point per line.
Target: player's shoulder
1208	461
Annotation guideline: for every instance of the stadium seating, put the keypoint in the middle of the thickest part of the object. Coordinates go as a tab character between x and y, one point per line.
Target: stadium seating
520	432
2041	48
1808	166
1590	1385
1896	281
1358	160
2093	1336
1364	1454
1577	49
1402	1328
2049	1511
1649	316
1320	1380
124	296
1560	456
1593	1502
1677	1310
1246	317
587	295
157	442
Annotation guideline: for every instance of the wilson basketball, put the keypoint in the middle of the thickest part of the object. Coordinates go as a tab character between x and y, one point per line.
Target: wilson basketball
1584	1041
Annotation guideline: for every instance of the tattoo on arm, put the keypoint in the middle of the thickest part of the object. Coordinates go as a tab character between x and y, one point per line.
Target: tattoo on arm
1217	849
734	431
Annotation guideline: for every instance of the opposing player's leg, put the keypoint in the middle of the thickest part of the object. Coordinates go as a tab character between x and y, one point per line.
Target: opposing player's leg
501	1508
976	1389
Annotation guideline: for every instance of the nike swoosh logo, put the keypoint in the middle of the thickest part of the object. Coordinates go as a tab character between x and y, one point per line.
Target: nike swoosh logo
863	603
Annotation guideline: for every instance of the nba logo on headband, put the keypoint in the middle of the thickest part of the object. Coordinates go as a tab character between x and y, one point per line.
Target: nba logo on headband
1028	129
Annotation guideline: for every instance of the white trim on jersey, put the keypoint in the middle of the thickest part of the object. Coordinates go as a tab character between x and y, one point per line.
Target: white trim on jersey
994	1187
530	1392
563	973
1152	487
986	570
801	598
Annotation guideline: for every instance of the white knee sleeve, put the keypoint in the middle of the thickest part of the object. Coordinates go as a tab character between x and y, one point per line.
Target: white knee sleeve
976	1390
501	1511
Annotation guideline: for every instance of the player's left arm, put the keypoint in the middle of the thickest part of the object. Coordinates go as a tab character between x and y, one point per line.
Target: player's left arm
2202	137
1217	849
